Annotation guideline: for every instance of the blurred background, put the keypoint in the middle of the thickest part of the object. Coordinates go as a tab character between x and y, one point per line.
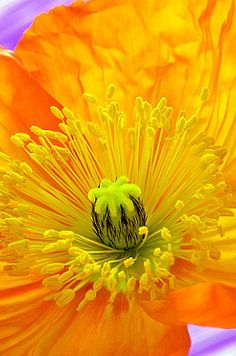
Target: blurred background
15	17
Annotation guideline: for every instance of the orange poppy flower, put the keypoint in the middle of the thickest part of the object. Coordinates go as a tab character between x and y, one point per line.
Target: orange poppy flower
117	224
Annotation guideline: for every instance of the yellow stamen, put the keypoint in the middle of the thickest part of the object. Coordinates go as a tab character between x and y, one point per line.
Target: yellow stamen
161	183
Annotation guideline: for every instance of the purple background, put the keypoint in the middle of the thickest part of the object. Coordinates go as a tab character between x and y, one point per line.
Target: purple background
15	17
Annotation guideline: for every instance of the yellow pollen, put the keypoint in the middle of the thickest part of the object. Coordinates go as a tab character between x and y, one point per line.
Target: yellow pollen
179	205
157	252
143	230
110	91
69	115
129	262
90	98
57	112
64	297
165	234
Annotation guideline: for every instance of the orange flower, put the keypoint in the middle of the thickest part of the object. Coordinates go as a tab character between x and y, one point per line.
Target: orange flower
117	209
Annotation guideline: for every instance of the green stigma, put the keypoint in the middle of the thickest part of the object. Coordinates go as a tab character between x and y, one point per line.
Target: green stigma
117	213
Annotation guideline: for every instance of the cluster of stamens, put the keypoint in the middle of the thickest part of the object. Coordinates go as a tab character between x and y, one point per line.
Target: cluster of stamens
164	197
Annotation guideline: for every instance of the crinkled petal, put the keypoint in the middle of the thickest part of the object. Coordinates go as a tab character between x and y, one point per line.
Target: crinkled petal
159	48
153	51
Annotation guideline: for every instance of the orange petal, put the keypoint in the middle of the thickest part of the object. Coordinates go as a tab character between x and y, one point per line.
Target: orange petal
146	48
22	102
222	120
44	328
125	333
204	304
20	306
159	48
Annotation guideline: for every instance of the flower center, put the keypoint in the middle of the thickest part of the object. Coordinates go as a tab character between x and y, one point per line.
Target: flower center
117	213
45	218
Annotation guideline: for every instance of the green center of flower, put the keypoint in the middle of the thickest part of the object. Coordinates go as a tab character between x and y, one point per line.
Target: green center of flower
117	213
